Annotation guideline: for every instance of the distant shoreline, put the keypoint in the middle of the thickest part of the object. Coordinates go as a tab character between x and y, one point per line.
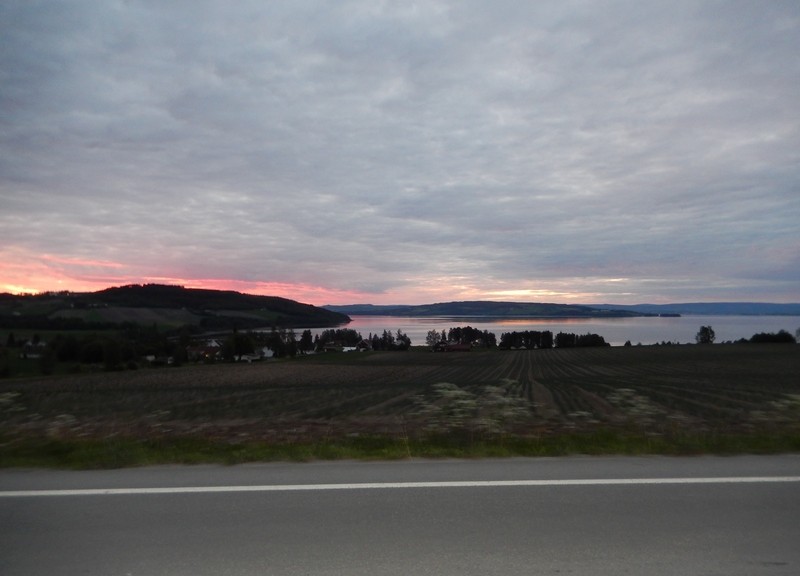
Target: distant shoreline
528	310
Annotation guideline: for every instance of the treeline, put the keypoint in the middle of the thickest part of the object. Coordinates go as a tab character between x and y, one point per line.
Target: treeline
529	339
141	346
111	350
569	340
462	335
137	346
388	341
349	338
533	339
781	337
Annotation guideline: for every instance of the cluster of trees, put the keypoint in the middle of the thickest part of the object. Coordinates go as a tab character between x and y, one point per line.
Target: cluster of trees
782	337
527	339
706	335
338	336
112	350
347	337
462	335
127	348
570	340
389	341
545	339
284	342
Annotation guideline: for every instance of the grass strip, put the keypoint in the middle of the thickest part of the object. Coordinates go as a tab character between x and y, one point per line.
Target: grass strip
121	452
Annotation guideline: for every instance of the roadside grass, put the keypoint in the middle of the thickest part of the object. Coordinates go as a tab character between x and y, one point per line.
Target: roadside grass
119	452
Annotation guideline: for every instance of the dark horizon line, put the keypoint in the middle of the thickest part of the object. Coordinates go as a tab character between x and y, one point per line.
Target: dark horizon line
487	301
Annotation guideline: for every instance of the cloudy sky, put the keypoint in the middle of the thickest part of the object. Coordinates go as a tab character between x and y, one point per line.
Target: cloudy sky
403	152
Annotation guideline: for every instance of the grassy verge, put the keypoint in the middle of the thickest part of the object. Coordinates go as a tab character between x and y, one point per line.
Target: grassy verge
127	452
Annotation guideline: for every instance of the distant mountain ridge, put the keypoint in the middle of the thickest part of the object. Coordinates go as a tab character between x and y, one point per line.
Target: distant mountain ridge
481	308
711	308
548	310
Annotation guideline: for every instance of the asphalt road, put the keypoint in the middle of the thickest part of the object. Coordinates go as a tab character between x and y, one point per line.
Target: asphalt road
565	516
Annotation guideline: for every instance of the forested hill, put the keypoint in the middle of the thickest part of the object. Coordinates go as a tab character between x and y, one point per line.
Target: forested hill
164	305
712	308
470	309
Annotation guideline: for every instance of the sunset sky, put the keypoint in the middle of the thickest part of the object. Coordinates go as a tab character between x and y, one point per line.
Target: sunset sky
403	152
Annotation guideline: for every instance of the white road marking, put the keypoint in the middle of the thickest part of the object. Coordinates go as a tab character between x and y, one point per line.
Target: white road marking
395	485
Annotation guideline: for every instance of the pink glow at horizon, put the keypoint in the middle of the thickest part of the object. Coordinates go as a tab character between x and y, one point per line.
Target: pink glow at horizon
315	295
34	278
38	282
33	275
24	273
37	277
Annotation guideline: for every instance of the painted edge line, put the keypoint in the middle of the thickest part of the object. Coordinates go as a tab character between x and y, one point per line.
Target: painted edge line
393	485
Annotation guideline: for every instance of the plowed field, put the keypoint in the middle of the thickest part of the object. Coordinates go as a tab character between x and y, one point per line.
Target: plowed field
733	388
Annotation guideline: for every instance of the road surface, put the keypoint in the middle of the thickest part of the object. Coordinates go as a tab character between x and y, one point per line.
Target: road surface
565	516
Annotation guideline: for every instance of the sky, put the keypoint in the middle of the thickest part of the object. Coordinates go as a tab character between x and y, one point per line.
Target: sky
403	152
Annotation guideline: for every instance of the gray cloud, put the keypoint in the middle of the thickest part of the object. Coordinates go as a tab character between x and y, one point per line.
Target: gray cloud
617	151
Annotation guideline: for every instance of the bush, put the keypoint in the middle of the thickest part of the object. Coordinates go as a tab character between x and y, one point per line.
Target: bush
782	337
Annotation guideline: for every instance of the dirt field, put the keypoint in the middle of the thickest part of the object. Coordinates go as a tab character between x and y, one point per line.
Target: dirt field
652	389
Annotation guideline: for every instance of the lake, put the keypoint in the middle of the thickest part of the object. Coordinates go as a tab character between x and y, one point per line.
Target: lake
616	331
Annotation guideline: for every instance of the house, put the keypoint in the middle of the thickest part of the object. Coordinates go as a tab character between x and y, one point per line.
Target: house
33	349
203	353
362	346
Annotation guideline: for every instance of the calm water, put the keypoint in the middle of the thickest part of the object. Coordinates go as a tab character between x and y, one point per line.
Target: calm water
615	331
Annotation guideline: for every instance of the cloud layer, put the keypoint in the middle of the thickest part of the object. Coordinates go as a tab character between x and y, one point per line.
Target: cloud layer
384	152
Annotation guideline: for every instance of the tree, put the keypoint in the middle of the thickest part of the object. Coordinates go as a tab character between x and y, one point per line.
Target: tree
566	340
705	335
402	341
291	343
470	335
529	339
387	340
47	361
306	341
92	351
237	345
339	336
433	338
782	337
112	354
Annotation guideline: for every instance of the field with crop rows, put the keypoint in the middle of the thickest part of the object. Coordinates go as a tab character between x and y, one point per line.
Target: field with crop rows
651	389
